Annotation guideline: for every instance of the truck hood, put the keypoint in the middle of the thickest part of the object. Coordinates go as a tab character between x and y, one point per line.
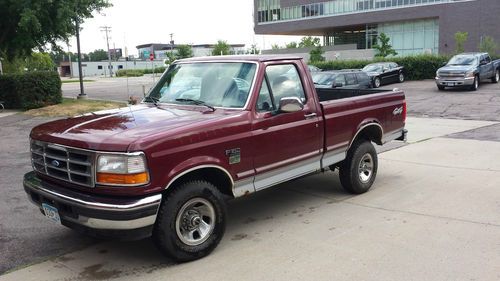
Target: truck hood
456	68
115	130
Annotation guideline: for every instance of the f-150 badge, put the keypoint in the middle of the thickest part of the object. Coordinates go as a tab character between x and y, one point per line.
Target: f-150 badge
234	155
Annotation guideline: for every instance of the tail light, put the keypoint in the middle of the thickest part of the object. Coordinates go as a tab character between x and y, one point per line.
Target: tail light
404	110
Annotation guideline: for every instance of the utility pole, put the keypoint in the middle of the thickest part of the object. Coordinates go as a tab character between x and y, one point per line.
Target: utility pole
82	94
107	30
172	44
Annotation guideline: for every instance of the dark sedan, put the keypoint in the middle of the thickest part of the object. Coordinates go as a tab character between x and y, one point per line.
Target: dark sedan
347	79
382	73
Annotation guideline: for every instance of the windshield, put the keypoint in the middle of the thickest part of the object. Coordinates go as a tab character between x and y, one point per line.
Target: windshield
323	78
463	60
373	68
224	84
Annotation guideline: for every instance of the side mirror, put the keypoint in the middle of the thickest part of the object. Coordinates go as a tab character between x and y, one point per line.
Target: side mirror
482	63
290	104
338	85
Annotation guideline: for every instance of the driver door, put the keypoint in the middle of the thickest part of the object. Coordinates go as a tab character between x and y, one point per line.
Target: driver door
286	145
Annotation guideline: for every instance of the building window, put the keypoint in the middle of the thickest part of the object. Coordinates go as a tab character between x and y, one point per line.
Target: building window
99	67
120	66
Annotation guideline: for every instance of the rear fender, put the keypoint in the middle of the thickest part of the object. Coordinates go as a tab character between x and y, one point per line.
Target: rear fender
369	129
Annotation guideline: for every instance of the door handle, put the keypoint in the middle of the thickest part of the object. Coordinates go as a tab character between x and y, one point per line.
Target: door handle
310	115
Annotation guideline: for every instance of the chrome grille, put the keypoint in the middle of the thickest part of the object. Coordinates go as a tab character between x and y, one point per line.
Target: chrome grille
451	74
64	163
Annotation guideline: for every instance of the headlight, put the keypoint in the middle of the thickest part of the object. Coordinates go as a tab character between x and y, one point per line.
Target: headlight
437	74
122	169
469	74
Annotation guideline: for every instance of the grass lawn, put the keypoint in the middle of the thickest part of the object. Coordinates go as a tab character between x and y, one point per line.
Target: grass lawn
71	107
76	81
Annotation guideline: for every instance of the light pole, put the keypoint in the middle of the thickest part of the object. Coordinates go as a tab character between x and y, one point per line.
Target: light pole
107	29
82	94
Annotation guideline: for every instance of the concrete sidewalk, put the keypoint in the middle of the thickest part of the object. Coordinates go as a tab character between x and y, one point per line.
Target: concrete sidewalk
431	215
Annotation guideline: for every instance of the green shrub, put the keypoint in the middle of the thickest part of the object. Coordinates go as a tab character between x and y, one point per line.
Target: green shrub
160	69
129	73
417	67
30	90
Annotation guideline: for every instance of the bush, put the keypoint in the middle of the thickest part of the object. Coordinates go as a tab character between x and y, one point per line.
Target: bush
138	72
417	67
129	73
30	90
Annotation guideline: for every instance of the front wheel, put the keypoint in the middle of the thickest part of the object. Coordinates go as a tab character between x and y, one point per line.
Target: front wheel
440	88
496	77
358	171
376	82
191	221
401	77
475	84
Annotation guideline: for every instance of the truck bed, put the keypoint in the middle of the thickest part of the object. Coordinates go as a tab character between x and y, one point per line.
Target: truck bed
336	94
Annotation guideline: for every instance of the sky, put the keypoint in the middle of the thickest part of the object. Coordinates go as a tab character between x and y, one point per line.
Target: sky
191	22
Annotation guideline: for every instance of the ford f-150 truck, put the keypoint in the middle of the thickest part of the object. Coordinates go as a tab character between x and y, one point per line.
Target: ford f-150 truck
468	70
210	129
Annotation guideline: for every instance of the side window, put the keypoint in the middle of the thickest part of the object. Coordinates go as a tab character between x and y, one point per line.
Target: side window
487	59
350	79
340	79
361	77
264	102
285	81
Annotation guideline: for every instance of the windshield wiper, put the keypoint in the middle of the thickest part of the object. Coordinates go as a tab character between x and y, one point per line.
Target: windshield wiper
152	99
197	102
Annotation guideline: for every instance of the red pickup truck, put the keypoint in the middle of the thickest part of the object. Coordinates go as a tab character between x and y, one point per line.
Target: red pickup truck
210	129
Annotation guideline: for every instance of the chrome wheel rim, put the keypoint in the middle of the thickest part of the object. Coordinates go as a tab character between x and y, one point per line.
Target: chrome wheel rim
365	168
401	77
497	76
195	221
377	82
476	83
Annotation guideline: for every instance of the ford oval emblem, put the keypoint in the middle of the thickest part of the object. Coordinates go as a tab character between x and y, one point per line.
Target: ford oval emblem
55	163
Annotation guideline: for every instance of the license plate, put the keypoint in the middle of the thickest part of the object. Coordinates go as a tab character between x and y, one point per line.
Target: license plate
451	84
51	212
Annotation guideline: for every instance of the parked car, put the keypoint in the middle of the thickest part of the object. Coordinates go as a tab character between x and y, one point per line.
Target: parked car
348	79
382	73
468	70
313	68
165	167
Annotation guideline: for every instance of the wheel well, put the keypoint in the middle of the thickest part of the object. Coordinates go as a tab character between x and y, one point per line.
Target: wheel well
371	132
219	178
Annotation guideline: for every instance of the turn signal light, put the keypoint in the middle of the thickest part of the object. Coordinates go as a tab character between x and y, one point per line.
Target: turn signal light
126	179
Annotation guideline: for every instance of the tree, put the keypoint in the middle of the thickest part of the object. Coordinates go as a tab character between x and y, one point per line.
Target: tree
316	54
221	48
40	62
253	50
384	49
184	51
32	26
291	45
460	39
98	55
488	45
309	41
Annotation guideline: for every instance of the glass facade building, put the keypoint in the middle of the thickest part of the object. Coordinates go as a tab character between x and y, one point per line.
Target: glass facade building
413	26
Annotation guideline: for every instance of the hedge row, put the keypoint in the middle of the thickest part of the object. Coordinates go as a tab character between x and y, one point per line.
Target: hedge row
417	67
30	90
138	72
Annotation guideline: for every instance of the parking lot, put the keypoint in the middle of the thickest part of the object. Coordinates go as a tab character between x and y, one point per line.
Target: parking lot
432	213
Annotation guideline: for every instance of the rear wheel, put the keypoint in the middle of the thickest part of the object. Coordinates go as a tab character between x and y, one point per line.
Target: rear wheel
376	82
475	84
191	221
496	77
358	171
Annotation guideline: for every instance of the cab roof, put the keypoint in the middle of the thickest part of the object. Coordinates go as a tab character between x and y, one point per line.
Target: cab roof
253	58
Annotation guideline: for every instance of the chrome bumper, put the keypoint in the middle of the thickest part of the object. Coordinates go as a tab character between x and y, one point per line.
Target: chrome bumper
454	82
93	211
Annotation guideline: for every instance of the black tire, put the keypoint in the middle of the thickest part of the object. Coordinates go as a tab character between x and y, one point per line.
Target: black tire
441	88
401	77
352	168
376	82
475	84
185	209
496	77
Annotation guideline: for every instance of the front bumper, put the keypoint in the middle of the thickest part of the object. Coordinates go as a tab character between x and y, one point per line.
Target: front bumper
98	215
454	82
